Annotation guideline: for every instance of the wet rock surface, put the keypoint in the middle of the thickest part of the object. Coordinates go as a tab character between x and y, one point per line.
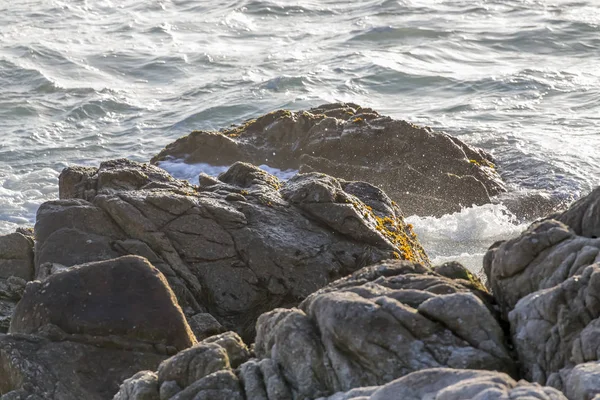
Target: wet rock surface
427	172
234	247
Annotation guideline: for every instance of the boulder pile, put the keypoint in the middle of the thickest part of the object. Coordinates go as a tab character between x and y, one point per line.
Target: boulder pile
138	286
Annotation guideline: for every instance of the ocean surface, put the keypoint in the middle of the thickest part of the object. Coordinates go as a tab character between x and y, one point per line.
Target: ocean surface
83	81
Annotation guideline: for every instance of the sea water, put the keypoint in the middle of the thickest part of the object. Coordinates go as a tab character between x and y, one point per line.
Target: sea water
82	81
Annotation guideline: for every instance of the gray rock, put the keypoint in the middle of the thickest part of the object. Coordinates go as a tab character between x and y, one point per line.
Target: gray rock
583	216
32	367
193	364
556	329
221	385
451	384
168	389
141	386
121	298
16	256
16	268
233	258
204	325
582	382
542	257
339	339
236	349
426	172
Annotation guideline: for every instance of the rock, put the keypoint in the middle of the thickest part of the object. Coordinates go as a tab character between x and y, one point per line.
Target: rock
32	367
216	353
221	385
381	323
16	268
426	172
193	364
16	256
123	298
542	257
545	282
237	351
582	382
450	384
583	216
556	329
233	257
141	386
205	325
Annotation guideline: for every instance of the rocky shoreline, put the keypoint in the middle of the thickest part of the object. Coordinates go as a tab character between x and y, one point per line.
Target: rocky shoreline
136	285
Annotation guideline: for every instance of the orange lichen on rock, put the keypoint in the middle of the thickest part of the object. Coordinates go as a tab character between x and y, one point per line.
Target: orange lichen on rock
396	232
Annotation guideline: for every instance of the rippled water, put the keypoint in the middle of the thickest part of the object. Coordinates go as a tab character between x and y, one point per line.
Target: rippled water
84	81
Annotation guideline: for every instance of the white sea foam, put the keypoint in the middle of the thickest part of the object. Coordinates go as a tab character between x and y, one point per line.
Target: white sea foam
466	235
179	169
22	194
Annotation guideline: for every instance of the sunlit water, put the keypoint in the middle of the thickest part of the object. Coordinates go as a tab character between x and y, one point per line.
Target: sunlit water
85	81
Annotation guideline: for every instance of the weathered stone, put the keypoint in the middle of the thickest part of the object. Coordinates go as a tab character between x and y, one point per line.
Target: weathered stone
124	297
221	385
541	257
141	386
32	367
558	328
232	258
339	339
193	364
205	325
426	172
236	349
582	382
16	256
451	384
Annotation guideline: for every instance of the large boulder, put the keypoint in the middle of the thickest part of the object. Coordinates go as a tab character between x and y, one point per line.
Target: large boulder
16	268
122	298
79	333
233	247
426	172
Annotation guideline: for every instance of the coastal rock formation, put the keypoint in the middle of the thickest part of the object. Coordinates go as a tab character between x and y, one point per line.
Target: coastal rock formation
547	282
546	254
81	332
233	247
556	329
380	323
426	172
340	337
450	384
16	269
543	256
